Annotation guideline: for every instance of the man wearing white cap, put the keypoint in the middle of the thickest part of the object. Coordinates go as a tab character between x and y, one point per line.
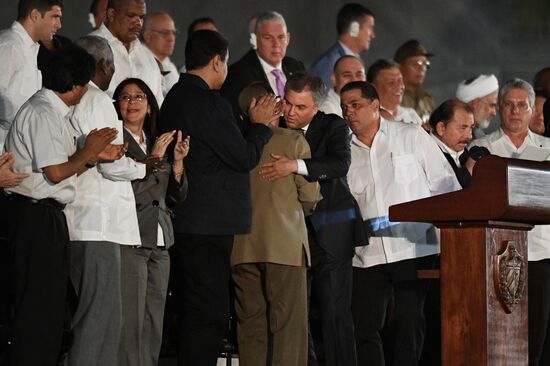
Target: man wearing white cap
480	93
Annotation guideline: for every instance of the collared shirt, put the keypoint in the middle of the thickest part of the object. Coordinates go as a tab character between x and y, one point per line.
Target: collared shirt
170	79
498	143
20	77
403	164
332	103
39	137
446	149
347	51
104	208
270	77
137	62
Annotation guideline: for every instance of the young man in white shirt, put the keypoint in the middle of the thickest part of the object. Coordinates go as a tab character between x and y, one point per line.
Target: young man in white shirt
391	162
37	230
20	78
516	100
132	59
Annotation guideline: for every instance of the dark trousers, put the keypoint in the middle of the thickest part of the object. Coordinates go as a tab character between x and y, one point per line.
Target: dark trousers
539	312
39	274
203	276
331	285
388	311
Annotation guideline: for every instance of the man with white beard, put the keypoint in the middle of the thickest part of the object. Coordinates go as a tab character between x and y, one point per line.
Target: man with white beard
480	93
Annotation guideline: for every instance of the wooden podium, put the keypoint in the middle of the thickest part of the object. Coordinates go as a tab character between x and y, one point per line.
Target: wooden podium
483	271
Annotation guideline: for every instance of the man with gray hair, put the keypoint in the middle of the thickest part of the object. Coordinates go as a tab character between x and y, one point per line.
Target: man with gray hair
267	63
513	140
480	93
103	194
336	224
121	29
159	35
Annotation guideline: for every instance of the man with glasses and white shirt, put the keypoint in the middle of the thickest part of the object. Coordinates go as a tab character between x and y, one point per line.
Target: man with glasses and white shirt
516	100
159	35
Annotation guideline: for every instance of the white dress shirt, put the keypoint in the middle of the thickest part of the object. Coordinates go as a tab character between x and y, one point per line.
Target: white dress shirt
170	79
270	77
498	143
331	104
403	164
137	62
20	77
39	137
104	208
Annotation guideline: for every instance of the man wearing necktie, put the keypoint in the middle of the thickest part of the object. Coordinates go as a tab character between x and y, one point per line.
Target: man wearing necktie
267	63
336	225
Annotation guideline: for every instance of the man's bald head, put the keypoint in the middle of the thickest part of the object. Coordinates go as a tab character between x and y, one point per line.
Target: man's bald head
159	34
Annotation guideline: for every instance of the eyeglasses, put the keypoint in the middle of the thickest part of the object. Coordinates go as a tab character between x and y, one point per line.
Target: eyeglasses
421	63
521	106
166	33
139	98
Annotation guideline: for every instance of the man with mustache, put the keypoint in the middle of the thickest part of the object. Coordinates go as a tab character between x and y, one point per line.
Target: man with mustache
37	20
121	29
451	127
481	95
391	162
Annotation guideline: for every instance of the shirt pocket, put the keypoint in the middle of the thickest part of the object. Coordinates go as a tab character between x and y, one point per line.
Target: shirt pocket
405	168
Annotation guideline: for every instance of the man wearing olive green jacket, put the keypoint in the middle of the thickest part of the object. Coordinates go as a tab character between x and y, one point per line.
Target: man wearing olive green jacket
269	264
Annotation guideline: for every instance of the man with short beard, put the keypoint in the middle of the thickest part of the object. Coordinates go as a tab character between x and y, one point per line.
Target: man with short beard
20	78
481	95
121	29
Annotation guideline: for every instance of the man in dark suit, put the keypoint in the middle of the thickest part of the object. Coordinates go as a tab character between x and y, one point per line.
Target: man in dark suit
268	63
355	26
218	203
336	225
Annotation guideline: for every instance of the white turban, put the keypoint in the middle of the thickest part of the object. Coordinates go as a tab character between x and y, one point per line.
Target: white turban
480	87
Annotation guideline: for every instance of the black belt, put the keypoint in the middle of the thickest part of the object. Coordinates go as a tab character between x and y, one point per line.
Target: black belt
48	202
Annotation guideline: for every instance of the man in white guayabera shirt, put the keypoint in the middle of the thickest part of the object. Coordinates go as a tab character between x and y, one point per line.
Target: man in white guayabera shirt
132	59
391	163
515	100
100	219
20	78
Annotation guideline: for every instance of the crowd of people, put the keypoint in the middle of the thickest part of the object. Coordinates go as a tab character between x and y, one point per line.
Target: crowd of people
264	182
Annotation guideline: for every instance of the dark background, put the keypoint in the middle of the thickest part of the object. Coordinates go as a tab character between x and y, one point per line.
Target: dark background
505	37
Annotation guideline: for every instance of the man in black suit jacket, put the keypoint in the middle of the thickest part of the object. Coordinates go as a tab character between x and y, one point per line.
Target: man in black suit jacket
218	203
336	226
272	40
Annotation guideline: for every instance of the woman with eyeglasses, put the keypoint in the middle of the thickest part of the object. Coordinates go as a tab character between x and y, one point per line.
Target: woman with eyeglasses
145	267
